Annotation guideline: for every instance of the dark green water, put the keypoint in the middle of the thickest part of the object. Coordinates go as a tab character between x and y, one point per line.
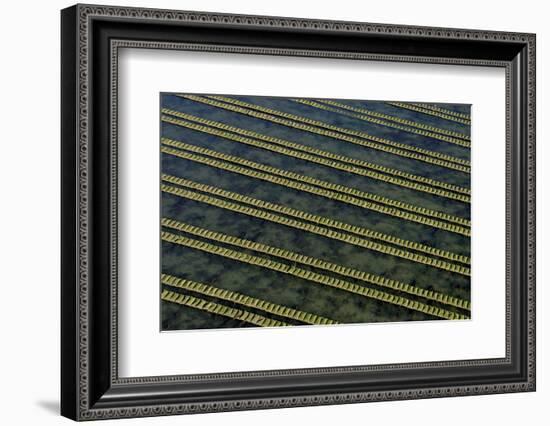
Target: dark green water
285	289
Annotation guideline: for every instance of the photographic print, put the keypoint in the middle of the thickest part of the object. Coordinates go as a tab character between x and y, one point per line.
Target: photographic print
280	211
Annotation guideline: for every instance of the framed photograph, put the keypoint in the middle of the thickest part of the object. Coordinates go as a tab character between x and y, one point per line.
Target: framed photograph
263	212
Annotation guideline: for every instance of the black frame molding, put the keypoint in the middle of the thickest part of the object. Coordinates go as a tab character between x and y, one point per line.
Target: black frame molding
90	39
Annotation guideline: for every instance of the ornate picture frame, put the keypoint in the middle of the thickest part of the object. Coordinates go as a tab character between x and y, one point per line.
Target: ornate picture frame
91	37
